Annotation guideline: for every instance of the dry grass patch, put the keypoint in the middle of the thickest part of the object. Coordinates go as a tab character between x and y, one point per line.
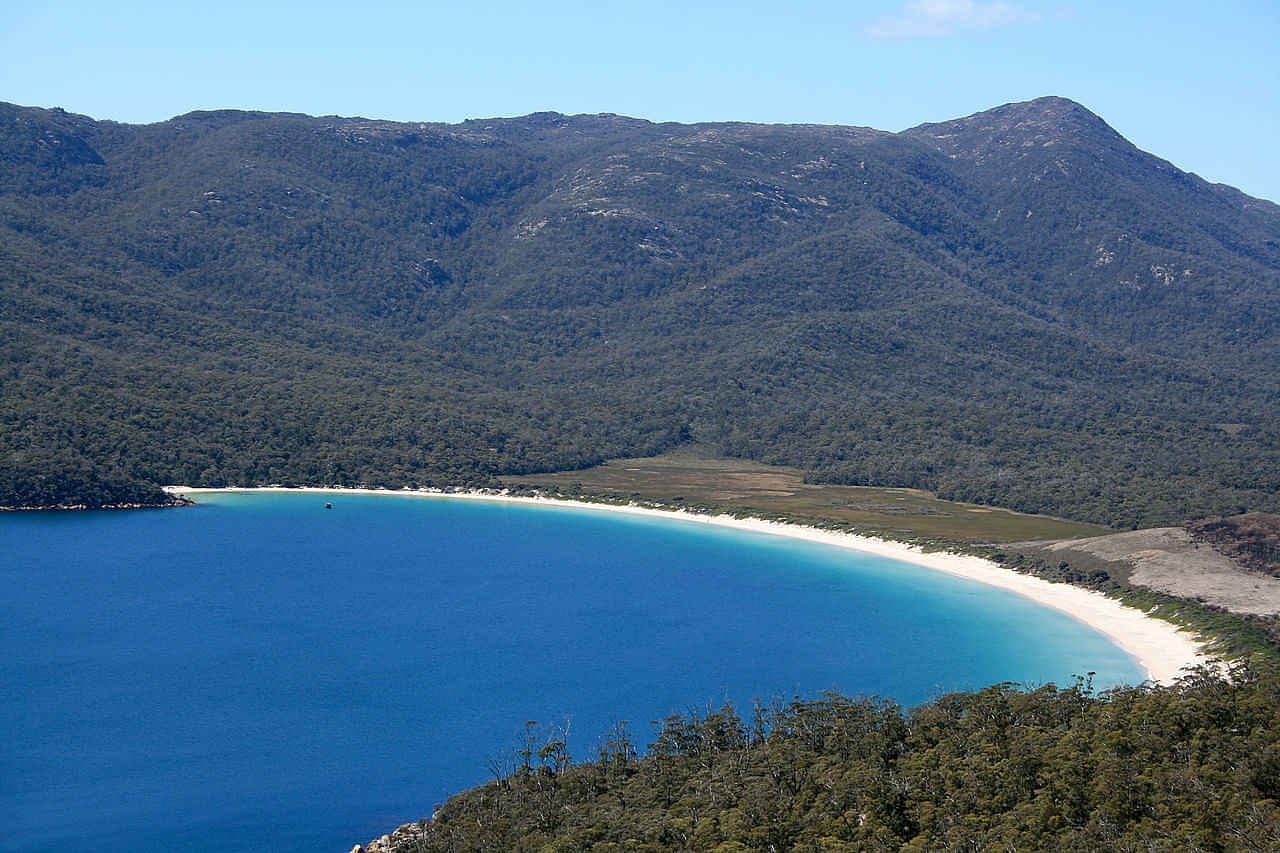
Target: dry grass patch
738	485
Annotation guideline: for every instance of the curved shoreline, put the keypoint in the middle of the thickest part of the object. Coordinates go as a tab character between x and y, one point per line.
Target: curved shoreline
1161	648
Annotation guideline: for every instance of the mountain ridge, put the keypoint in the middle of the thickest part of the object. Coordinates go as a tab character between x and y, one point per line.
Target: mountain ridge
572	288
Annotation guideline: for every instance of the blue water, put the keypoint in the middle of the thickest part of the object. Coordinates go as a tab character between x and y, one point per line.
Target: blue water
259	670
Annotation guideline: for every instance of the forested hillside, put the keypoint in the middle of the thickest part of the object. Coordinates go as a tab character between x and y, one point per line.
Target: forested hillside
1018	307
1190	767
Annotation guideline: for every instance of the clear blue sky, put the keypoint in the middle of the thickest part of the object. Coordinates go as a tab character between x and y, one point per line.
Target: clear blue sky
1196	83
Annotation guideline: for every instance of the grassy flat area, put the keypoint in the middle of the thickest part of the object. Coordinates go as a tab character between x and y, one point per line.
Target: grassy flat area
684	477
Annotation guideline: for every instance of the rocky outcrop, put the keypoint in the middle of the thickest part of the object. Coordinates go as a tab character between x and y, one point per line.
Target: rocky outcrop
403	840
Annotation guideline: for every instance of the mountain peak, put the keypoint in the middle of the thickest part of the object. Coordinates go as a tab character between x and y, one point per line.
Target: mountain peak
1043	122
1049	111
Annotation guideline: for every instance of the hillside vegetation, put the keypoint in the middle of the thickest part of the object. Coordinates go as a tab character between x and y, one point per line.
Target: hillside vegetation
1190	767
1015	308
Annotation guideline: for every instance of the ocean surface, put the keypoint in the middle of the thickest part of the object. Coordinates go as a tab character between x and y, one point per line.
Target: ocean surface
258	672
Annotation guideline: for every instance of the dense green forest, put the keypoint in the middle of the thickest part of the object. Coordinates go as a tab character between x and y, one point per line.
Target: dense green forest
1017	308
1192	767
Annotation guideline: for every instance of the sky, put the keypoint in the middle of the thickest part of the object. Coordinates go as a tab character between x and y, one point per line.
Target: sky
1195	83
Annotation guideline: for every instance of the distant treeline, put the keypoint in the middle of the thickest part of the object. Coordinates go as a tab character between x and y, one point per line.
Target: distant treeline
60	483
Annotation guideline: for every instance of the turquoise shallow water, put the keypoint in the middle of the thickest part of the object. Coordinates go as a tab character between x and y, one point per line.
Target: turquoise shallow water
258	667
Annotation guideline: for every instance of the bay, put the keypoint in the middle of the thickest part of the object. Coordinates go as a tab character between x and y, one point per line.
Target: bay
259	670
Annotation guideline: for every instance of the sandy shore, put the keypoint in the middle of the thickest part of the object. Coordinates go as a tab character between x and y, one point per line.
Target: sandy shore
1159	647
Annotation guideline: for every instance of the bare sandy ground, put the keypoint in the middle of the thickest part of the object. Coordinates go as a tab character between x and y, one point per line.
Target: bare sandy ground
1166	559
1160	647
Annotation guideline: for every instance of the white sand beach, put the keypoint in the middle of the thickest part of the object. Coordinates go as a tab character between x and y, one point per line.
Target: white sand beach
1161	648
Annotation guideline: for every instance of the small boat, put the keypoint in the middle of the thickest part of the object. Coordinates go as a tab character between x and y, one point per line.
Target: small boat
328	505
